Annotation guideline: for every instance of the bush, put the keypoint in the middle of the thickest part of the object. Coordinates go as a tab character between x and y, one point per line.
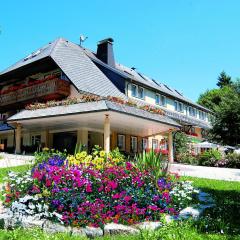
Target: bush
232	160
188	158
209	158
153	161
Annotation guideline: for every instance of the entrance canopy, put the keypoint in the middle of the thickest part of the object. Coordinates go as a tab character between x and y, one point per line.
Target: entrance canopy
91	115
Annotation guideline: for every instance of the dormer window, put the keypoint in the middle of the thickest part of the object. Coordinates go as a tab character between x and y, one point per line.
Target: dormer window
140	92
192	111
178	106
134	90
160	100
137	91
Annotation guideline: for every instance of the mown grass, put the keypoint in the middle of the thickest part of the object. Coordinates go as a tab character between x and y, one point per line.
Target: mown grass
221	222
4	171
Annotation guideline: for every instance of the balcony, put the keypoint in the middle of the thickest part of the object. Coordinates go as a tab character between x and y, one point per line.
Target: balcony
42	90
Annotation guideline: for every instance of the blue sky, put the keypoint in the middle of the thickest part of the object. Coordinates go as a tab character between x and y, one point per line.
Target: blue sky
182	43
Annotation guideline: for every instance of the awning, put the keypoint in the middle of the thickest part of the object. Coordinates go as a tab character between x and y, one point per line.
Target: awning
206	145
5	127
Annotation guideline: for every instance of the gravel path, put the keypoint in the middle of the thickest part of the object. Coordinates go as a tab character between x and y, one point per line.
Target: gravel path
11	160
228	174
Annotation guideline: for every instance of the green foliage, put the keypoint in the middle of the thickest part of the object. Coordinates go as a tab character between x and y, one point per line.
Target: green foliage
210	99
41	156
182	150
226	123
224	80
153	161
233	160
209	158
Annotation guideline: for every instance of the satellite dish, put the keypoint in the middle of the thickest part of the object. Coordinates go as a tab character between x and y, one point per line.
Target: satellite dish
82	39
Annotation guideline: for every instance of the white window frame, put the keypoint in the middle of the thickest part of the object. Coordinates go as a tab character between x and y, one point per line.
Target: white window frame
162	100
134	95
144	144
141	97
134	144
36	139
154	144
123	139
177	107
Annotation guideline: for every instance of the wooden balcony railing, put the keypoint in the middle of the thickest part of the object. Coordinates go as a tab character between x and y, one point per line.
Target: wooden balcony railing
42	90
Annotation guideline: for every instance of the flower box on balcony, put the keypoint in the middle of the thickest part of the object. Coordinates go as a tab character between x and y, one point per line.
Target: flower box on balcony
46	89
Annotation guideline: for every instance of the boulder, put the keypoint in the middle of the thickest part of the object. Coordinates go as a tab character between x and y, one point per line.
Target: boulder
79	232
51	227
190	212
92	232
148	226
113	229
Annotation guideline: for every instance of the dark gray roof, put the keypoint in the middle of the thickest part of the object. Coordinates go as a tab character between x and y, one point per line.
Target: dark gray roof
78	64
133	75
82	72
87	107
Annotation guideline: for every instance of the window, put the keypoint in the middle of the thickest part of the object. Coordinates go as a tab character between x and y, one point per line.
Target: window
134	90
137	91
192	111
144	144
140	92
133	144
36	140
121	142
154	144
160	100
202	115
178	106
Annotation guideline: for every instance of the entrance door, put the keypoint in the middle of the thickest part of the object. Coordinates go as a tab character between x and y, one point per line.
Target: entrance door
65	140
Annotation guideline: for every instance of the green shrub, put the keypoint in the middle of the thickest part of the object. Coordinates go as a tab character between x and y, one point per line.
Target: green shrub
188	158
233	160
154	161
209	158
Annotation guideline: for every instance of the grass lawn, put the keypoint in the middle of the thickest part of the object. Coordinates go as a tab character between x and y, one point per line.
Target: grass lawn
223	218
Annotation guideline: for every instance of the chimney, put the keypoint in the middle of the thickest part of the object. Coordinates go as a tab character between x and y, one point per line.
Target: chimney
105	51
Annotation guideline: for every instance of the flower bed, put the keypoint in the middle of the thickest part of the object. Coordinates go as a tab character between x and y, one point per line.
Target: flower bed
94	98
93	190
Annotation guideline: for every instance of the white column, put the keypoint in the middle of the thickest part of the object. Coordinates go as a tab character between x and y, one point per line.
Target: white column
45	138
107	134
82	137
170	147
18	138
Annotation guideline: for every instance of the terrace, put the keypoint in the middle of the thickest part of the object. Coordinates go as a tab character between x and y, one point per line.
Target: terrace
46	89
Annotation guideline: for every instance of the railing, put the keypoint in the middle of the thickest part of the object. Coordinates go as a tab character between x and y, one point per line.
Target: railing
46	89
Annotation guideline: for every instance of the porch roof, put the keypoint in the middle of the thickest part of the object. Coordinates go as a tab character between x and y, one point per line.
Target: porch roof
91	115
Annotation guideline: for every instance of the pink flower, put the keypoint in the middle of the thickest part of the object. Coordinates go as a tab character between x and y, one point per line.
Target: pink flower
89	188
127	198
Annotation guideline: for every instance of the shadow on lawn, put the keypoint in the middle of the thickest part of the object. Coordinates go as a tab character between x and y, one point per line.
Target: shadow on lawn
224	217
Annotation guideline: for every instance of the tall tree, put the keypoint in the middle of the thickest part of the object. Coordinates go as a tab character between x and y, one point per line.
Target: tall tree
226	122
224	80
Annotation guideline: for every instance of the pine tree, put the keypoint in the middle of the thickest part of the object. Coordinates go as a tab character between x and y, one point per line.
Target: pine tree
224	80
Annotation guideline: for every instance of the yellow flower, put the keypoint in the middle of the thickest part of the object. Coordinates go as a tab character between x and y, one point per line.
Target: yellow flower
78	156
46	149
102	153
83	154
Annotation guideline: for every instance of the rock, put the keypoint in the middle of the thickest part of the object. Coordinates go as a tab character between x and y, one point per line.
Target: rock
51	227
30	222
113	228
92	232
148	225
190	212
79	232
169	218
